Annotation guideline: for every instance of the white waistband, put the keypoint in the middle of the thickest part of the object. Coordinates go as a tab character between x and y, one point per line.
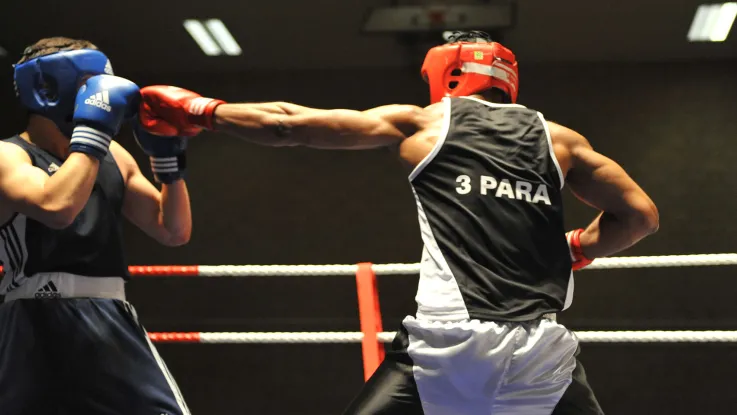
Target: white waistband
455	319
63	285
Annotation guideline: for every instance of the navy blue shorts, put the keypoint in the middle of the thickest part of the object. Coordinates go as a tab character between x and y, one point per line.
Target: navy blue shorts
80	356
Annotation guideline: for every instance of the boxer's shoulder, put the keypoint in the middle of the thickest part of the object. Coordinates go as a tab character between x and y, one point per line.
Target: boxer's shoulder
436	108
14	162
408	118
565	137
12	153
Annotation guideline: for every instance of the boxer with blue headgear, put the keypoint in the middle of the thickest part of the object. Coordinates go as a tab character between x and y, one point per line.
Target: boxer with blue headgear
65	187
48	85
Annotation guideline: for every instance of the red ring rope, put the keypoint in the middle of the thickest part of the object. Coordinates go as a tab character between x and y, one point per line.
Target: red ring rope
192	337
161	270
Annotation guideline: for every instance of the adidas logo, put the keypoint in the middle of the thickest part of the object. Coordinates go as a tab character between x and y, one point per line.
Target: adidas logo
52	168
47	292
100	100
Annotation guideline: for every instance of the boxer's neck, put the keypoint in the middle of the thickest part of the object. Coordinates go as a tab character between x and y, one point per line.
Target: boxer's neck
492	95
43	133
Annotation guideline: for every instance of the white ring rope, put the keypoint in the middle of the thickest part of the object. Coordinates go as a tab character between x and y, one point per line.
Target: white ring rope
664	261
414	269
275	270
386	337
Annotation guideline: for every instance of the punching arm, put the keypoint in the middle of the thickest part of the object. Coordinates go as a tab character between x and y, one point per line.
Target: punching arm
172	111
285	124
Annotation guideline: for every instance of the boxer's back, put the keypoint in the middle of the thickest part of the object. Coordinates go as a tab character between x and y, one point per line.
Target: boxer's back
91	246
491	217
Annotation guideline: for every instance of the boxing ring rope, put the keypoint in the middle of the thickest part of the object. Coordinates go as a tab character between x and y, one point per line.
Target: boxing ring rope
705	336
372	336
407	269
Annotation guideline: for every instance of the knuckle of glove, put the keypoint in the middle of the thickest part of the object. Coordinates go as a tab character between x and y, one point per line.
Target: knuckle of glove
105	101
172	105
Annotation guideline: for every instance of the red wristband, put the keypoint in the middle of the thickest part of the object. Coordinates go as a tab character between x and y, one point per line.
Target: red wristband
579	260
202	111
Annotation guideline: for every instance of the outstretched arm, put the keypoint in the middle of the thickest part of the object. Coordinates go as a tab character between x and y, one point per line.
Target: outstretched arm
174	111
285	124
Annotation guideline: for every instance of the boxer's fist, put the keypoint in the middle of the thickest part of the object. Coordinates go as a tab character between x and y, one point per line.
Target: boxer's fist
171	111
167	154
578	259
101	106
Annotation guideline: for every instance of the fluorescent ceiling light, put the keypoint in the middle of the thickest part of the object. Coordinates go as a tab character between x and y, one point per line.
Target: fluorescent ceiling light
203	39
223	37
712	22
723	25
212	37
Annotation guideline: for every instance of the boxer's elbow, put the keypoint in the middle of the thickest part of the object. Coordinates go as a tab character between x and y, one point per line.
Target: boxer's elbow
652	219
644	218
175	242
58	216
178	238
58	222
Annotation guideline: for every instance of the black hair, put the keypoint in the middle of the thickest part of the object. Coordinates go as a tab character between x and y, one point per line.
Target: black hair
51	45
476	36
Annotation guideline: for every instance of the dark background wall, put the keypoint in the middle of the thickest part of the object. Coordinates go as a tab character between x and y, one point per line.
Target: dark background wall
672	126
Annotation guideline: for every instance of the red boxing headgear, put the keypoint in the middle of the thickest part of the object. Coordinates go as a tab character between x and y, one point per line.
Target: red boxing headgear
468	64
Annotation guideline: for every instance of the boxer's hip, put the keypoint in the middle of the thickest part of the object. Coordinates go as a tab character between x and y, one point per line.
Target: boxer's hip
63	311
505	367
62	285
81	349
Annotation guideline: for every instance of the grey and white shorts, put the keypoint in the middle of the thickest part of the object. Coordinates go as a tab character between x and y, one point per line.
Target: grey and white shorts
479	367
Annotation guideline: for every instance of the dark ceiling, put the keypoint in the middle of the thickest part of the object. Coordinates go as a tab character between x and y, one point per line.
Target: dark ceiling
147	35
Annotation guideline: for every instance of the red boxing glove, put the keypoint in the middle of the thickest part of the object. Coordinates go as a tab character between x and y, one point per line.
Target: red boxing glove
578	259
171	111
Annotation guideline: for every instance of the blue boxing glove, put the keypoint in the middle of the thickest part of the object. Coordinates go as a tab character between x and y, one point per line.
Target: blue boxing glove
101	106
168	154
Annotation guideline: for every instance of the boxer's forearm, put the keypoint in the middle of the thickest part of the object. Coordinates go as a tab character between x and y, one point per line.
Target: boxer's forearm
285	124
66	192
609	234
176	215
176	111
255	123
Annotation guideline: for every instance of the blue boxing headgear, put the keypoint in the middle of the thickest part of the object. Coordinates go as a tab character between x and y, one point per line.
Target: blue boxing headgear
48	85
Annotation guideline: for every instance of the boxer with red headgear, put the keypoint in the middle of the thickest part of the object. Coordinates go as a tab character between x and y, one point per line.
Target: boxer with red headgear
471	63
487	175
